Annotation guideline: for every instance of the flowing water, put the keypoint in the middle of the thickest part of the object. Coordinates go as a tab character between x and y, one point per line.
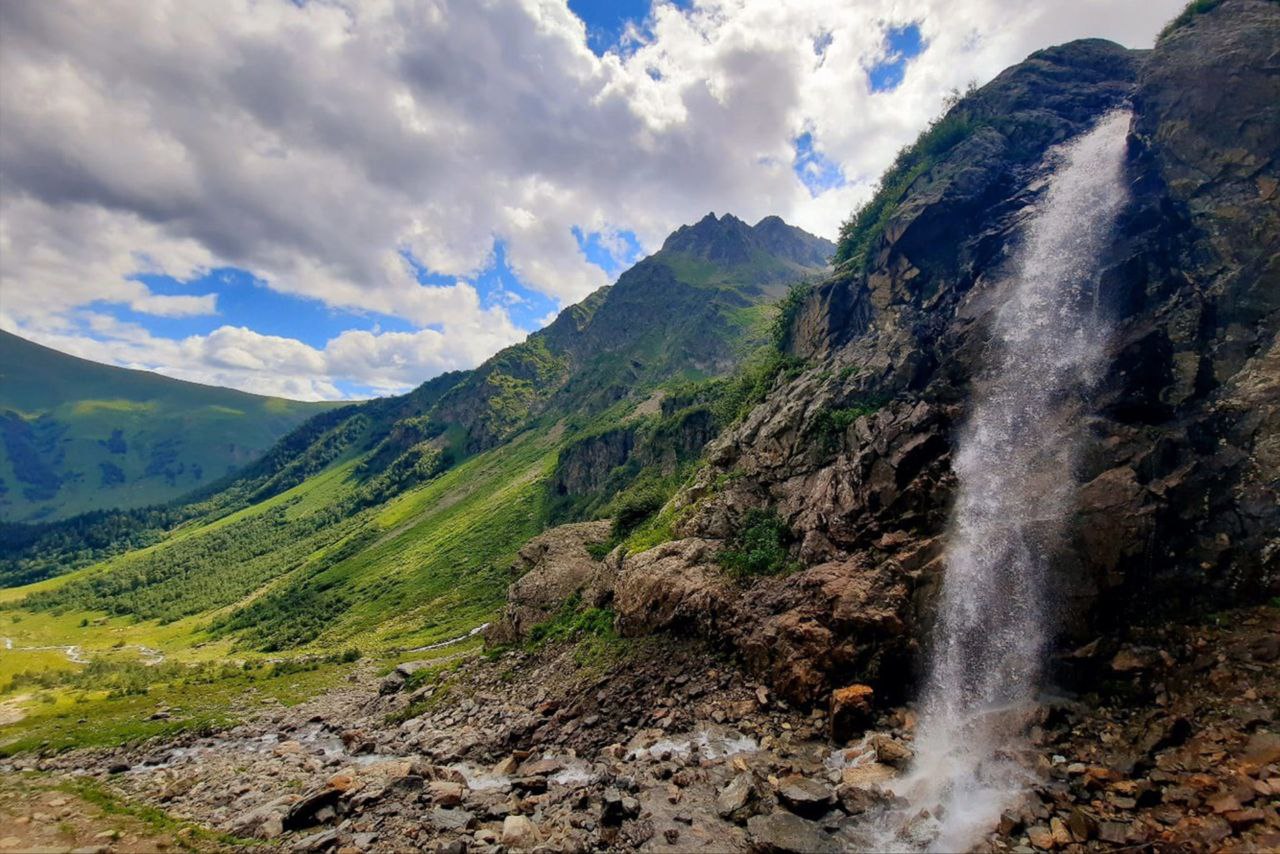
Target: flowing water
1015	461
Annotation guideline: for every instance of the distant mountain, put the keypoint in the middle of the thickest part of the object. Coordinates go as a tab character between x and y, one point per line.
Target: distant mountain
689	311
399	516
77	435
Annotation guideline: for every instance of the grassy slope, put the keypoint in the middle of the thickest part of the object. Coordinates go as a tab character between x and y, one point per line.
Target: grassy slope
330	563
433	566
78	435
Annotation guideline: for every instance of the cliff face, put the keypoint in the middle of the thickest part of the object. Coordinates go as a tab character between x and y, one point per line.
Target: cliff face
1180	485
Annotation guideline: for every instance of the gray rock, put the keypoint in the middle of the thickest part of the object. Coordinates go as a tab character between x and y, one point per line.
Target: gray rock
451	819
804	795
785	833
316	842
734	800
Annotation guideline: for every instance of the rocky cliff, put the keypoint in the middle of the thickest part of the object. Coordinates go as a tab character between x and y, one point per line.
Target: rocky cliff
1180	486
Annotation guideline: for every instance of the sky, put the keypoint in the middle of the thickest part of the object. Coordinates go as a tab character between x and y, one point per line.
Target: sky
327	199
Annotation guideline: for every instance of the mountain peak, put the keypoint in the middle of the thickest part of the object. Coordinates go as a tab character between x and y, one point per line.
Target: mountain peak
729	240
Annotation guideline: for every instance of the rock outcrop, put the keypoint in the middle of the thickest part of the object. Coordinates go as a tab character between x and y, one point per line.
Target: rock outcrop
550	569
1180	484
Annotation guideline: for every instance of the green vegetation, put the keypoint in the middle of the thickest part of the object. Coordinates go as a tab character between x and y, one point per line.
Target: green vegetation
830	424
590	630
67	717
182	833
759	547
571	622
78	436
440	677
860	233
640	502
199	573
386	526
1188	13
780	328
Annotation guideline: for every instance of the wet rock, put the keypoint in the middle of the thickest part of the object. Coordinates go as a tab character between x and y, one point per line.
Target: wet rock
804	795
857	799
890	751
786	833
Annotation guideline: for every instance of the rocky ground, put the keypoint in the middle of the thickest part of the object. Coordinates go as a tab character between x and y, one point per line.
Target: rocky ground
41	813
1173	745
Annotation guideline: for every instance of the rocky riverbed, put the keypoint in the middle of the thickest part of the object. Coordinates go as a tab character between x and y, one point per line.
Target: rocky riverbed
1171	744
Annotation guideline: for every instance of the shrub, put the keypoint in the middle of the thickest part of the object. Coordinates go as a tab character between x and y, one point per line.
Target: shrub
571	623
831	424
759	547
788	307
637	506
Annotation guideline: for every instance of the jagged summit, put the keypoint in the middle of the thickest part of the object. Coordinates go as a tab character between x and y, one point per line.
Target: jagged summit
729	240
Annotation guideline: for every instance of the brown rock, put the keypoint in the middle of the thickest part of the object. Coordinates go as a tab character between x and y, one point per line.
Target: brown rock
1240	819
550	568
518	833
1041	837
343	782
1061	835
851	711
1113	832
890	751
445	793
1083	826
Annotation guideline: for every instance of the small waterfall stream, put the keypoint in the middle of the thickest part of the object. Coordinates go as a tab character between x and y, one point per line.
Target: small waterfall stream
1014	463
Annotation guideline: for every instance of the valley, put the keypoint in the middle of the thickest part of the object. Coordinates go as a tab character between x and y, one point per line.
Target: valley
957	534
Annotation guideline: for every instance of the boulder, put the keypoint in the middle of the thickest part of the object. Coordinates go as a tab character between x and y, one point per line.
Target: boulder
518	833
308	809
804	795
890	751
850	711
785	833
735	801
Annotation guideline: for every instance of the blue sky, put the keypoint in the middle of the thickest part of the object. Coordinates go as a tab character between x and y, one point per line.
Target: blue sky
403	188
244	300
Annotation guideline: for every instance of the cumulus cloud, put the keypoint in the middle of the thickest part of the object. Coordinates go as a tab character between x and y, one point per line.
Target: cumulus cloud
317	144
369	363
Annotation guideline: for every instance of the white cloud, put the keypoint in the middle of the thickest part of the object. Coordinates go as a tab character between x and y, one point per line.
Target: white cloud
312	144
377	363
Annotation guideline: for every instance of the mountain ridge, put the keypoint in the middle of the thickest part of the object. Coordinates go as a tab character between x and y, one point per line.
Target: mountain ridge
80	435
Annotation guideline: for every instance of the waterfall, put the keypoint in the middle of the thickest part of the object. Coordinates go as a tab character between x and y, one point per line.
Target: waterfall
1014	463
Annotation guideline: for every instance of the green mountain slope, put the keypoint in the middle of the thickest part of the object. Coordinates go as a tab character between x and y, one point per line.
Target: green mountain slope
77	435
392	523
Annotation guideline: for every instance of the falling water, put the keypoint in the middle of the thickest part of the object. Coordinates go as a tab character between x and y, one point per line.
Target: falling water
1015	462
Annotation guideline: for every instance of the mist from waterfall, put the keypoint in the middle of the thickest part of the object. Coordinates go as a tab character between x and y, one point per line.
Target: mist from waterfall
1015	461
